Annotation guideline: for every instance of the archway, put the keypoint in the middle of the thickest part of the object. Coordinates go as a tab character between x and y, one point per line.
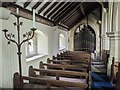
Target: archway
61	41
84	39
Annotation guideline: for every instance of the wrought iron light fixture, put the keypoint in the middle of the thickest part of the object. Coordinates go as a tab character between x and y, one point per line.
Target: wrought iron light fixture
26	37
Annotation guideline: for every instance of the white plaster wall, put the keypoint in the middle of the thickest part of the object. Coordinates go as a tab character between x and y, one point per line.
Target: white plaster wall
92	22
9	56
0	53
57	32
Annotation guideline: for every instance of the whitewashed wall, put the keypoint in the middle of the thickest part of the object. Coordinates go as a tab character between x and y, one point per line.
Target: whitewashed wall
9	52
0	53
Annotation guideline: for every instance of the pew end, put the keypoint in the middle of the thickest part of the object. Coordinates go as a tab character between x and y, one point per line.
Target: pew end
16	81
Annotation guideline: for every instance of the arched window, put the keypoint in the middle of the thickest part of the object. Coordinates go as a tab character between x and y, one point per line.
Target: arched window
42	43
61	42
31	47
37	47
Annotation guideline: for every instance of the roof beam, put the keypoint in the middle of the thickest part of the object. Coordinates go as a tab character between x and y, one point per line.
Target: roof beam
67	18
82	9
55	9
67	10
88	12
67	13
41	9
36	5
5	4
27	12
73	18
51	7
27	3
60	11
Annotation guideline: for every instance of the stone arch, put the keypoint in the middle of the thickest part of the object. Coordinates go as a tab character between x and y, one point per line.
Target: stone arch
91	22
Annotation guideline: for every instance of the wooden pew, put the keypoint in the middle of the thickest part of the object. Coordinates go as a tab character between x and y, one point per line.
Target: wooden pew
58	74
117	83
105	56
115	74
71	62
63	67
74	56
114	70
66	67
47	82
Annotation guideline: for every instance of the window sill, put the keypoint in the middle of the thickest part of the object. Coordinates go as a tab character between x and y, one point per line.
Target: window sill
35	57
61	49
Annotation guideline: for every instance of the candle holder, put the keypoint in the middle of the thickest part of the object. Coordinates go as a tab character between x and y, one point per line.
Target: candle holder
26	37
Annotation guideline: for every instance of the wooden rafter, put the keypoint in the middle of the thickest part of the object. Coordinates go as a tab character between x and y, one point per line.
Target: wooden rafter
41	18
60	10
12	5
49	9
82	9
73	18
36	5
66	11
71	10
41	9
50	14
5	4
60	13
67	18
95	6
27	3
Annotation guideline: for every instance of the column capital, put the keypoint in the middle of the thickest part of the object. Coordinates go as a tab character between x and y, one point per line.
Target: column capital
104	36
113	34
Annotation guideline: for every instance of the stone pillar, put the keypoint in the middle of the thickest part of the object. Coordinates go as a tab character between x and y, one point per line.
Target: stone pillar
113	33
112	50
105	39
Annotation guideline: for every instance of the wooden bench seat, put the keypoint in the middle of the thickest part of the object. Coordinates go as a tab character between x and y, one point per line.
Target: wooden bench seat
71	62
56	73
48	82
63	67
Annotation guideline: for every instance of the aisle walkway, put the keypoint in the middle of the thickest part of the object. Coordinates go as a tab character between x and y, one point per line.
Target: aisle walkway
100	80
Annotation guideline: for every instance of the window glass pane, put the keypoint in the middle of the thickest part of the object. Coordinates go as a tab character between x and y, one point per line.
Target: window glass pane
31	48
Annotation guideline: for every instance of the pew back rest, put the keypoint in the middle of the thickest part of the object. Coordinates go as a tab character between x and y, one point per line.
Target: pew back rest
47	82
62	66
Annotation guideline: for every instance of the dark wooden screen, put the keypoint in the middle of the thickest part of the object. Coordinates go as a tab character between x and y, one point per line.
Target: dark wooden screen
84	39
